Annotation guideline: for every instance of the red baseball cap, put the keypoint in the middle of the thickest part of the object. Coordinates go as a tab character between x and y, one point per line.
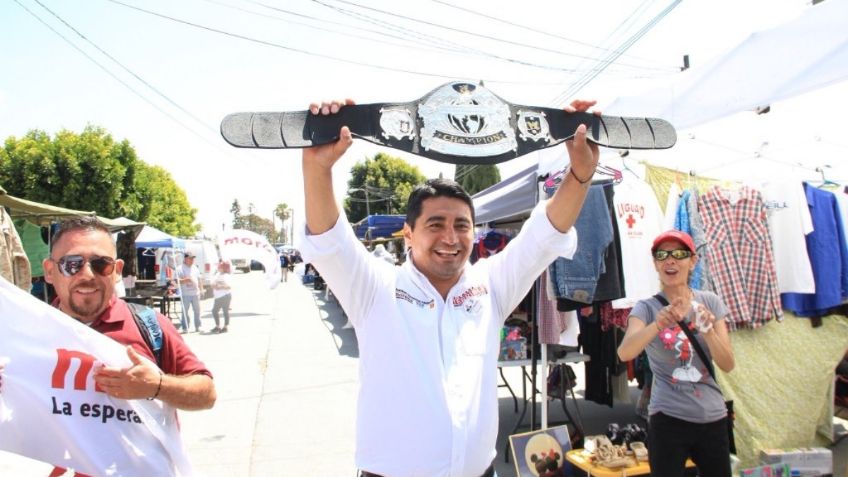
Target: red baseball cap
677	235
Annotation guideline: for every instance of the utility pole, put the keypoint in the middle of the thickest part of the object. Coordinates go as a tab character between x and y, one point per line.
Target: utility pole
291	228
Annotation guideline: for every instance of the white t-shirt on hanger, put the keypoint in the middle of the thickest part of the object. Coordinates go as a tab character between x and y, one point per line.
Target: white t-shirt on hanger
671	207
789	222
639	220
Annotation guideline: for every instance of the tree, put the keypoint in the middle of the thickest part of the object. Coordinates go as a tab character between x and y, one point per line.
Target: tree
476	177
164	204
90	171
283	213
260	225
388	181
238	220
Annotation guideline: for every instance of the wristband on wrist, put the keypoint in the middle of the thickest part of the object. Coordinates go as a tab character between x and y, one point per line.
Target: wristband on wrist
571	170
158	388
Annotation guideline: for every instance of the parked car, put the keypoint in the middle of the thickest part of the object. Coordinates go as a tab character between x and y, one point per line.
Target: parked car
242	264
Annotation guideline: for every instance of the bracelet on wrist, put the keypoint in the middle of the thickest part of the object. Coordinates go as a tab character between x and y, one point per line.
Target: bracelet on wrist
158	388
571	170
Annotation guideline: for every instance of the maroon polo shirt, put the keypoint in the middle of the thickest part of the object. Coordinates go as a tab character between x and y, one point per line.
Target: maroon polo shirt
177	358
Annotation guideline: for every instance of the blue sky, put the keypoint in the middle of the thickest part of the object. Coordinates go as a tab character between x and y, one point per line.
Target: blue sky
49	85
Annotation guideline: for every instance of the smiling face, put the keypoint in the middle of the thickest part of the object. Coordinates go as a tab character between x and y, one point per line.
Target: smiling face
441	240
85	295
674	272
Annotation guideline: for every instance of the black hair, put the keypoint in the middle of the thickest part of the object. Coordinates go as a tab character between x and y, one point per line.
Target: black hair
431	189
90	223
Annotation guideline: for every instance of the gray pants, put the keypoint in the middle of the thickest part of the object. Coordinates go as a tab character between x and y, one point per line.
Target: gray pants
192	302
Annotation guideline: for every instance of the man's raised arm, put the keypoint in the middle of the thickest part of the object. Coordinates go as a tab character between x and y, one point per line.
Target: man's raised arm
322	212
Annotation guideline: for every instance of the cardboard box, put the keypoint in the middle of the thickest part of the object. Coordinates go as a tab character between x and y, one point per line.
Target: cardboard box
810	461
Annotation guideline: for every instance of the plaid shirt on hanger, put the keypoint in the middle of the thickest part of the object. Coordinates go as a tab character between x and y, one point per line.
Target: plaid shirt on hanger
740	254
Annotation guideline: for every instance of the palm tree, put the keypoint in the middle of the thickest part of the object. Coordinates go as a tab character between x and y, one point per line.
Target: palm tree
282	212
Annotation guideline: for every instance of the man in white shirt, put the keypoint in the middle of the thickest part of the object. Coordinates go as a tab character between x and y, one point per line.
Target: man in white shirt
429	330
190	291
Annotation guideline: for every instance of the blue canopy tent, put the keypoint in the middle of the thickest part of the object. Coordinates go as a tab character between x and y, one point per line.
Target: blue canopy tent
151	237
378	226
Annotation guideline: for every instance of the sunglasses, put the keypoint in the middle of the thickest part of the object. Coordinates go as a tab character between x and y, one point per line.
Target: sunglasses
678	254
70	265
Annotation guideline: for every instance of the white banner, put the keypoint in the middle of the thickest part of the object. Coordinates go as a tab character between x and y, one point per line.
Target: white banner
49	407
238	243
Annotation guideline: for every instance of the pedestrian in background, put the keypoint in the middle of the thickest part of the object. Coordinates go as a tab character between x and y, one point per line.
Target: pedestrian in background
284	266
222	291
190	290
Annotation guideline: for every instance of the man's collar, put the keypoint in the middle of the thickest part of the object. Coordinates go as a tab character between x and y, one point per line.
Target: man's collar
106	317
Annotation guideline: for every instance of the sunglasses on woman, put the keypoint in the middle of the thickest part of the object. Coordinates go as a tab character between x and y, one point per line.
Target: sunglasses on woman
70	265
678	254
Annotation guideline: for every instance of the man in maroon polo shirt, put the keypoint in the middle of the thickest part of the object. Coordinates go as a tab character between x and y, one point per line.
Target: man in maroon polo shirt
83	269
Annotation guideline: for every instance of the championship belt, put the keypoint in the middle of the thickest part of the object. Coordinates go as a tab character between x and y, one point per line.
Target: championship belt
457	123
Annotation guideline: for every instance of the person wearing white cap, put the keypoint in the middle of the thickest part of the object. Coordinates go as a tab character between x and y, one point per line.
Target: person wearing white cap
190	290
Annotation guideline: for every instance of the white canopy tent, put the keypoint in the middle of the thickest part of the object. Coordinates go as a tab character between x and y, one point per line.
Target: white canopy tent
802	55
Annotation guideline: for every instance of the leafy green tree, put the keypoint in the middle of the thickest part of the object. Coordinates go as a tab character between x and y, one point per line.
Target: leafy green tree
91	171
260	225
388	181
476	177
164	204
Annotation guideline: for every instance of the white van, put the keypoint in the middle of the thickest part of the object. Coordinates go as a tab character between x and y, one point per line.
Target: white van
207	258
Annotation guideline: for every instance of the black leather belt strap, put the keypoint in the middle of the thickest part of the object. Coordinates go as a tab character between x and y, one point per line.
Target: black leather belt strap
490	472
458	123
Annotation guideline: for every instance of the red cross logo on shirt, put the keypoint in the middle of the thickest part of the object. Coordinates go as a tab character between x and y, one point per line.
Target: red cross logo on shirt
630	221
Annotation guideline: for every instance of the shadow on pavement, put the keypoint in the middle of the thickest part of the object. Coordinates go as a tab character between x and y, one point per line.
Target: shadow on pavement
335	320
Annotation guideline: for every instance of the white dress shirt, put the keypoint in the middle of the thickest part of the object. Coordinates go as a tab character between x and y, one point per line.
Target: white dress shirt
427	403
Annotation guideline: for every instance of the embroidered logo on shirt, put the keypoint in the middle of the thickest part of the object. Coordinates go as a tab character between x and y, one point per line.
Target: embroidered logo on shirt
402	295
471	292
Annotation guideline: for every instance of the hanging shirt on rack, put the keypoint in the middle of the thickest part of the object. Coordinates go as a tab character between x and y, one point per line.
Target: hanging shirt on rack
488	245
828	256
551	322
789	223
576	278
700	278
638	218
741	260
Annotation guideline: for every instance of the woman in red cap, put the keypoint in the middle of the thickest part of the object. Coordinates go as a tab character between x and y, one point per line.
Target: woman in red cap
688	417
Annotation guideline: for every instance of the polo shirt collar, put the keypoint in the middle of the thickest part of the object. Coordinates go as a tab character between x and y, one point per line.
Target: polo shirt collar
108	316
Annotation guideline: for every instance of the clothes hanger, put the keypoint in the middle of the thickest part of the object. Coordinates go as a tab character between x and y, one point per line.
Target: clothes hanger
624	154
616	174
825	181
148	253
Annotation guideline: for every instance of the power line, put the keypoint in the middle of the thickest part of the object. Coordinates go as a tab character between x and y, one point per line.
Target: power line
407	43
579	84
309	53
458	30
419	35
131	72
115	77
552	35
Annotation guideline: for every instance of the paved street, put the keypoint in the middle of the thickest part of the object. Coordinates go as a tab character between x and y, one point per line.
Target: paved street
286	375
